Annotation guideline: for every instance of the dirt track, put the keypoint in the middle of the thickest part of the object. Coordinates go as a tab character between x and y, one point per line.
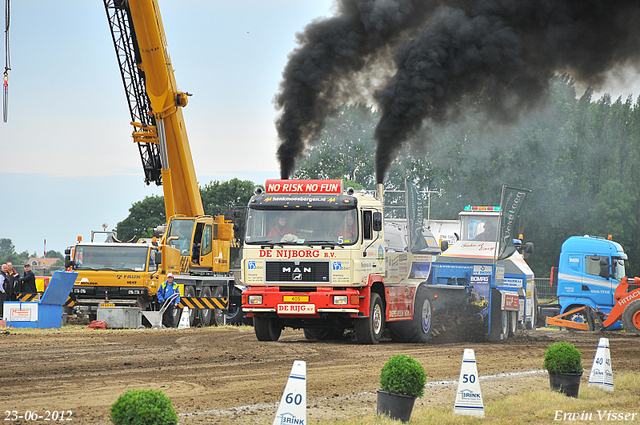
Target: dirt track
210	372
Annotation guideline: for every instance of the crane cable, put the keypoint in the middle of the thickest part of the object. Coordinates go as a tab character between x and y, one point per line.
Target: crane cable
7	64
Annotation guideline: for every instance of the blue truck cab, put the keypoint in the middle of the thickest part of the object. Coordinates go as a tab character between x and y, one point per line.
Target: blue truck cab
589	270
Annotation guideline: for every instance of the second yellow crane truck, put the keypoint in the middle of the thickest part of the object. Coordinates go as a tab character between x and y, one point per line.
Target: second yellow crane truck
194	247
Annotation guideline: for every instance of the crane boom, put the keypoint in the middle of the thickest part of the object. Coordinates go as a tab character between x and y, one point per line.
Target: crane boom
194	247
145	64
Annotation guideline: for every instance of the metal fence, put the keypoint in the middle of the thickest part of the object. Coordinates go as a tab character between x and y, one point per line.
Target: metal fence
544	289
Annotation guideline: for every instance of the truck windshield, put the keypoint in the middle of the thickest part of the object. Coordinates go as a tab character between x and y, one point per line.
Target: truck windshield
113	257
181	231
302	227
479	228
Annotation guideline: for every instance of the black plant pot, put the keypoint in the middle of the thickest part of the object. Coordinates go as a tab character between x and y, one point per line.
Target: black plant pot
566	383
396	406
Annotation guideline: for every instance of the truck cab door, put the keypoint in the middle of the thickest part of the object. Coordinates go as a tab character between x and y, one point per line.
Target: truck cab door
197	243
204	252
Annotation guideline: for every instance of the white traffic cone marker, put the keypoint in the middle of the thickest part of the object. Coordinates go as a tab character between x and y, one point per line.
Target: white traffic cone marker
601	373
184	319
468	397
293	405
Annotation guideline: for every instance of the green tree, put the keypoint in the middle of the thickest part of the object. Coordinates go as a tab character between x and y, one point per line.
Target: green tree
6	247
220	197
143	217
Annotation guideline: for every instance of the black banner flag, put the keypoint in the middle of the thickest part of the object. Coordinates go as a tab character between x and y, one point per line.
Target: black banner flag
510	205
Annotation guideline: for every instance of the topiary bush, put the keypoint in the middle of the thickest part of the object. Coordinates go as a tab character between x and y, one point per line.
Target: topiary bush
143	407
562	357
402	374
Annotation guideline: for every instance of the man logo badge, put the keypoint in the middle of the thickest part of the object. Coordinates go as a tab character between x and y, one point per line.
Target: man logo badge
296	276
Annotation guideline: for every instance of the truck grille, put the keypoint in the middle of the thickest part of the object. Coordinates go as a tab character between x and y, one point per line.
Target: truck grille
302	272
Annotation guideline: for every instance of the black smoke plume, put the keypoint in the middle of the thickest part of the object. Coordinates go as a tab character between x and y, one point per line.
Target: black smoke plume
497	54
330	51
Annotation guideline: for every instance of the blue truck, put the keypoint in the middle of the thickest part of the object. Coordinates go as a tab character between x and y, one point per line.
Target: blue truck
589	270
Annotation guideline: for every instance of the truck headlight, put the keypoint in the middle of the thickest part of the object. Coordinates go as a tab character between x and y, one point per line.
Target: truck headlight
340	300
255	299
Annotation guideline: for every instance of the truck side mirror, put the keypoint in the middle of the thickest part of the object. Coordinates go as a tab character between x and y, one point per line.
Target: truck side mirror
157	257
444	245
605	270
67	259
377	221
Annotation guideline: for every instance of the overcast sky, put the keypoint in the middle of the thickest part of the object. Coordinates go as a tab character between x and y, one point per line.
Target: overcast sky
68	163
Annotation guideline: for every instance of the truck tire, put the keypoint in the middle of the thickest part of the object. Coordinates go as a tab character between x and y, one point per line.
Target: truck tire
235	314
369	330
631	317
206	314
513	323
534	318
190	291
504	323
580	317
419	328
266	329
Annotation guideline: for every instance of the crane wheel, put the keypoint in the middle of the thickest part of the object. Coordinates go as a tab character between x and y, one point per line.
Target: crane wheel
206	314
190	291
631	317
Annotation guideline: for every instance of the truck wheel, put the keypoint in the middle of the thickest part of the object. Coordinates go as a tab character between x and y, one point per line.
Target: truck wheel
205	314
513	323
266	329
369	330
234	314
417	329
631	317
190	291
579	317
534	316
504	323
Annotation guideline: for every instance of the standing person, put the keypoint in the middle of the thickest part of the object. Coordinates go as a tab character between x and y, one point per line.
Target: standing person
12	282
3	292
167	289
27	283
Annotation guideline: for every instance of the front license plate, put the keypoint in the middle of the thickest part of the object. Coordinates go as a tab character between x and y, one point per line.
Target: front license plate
107	305
297	308
296	298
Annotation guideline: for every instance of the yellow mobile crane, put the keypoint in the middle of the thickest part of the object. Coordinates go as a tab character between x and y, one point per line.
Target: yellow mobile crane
195	247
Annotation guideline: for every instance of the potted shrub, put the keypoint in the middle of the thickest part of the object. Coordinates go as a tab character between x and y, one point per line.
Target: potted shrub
402	381
143	407
563	361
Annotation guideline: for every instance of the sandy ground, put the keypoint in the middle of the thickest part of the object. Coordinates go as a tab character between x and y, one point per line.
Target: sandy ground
225	376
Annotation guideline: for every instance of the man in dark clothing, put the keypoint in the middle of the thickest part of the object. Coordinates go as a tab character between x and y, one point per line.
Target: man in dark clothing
27	282
12	282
